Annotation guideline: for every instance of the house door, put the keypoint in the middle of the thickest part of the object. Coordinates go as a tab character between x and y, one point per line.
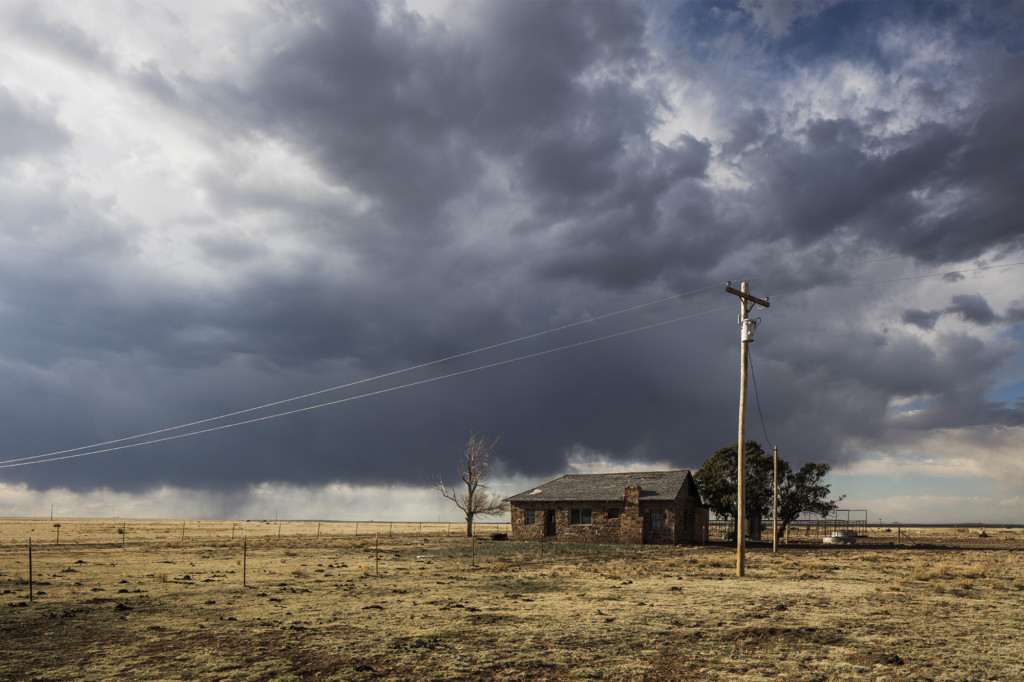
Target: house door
549	523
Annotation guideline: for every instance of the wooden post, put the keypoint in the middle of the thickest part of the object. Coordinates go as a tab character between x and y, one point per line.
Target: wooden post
389	528
474	550
357	529
775	500
124	531
30	596
278	530
318	531
376	554
245	552
57	526
741	455
183	531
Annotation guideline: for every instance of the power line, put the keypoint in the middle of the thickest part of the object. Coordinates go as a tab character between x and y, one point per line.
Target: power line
893	281
869	261
42	459
368	379
757	398
66	454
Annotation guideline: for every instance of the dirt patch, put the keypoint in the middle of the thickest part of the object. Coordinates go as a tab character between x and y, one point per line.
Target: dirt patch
776	634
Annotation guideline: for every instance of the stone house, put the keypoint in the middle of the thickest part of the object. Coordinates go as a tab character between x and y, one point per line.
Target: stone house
653	507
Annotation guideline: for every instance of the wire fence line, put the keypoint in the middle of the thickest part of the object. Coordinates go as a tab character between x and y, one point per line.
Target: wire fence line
145	531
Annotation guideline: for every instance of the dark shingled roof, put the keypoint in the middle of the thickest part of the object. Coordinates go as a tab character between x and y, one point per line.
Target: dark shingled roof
654	485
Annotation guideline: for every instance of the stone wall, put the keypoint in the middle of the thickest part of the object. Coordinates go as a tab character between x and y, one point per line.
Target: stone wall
681	520
604	527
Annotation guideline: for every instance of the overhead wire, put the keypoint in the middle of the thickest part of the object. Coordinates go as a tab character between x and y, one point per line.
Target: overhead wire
753	375
75	452
894	280
884	259
757	397
378	377
42	459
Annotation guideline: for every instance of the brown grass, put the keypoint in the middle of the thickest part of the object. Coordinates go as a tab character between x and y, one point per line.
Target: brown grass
159	608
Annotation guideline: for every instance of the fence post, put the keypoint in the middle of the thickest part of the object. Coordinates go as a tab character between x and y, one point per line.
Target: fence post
30	568
357	529
318	531
124	532
376	554
474	549
183	531
245	552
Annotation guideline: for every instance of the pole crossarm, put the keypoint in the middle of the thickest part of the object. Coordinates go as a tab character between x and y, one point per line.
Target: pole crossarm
747	297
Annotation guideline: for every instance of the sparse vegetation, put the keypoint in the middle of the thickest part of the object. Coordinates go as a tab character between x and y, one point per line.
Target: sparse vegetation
948	609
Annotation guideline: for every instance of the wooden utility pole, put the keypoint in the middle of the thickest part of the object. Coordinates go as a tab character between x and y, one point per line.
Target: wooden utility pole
775	500
747	303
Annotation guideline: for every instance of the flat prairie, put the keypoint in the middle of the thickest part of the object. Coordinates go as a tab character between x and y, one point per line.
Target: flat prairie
133	599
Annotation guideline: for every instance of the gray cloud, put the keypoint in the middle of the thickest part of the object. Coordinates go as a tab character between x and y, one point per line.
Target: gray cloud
28	128
54	34
971	308
922	318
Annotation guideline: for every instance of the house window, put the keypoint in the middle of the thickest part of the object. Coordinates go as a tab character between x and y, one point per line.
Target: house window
613	513
529	517
655	519
578	517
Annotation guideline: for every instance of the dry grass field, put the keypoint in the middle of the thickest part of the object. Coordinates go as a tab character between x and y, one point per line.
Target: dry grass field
147	605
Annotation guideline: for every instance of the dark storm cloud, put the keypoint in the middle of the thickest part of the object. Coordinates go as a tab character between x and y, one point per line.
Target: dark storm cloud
971	308
402	109
1014	315
505	173
922	318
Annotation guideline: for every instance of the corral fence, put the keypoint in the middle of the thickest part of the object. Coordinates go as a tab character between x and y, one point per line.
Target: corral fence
807	527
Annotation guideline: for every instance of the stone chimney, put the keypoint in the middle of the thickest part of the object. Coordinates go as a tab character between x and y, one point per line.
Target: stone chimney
631	523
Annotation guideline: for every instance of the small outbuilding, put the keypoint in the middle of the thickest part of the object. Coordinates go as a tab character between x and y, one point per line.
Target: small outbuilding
651	507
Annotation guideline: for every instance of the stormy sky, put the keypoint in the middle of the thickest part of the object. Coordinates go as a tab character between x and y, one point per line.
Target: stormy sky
211	207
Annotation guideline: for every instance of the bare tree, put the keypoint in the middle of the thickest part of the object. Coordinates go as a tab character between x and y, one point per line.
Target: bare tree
474	499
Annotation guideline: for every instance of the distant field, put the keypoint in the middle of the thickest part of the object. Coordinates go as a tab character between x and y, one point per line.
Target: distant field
149	605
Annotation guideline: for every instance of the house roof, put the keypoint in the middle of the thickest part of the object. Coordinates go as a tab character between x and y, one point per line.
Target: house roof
654	486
